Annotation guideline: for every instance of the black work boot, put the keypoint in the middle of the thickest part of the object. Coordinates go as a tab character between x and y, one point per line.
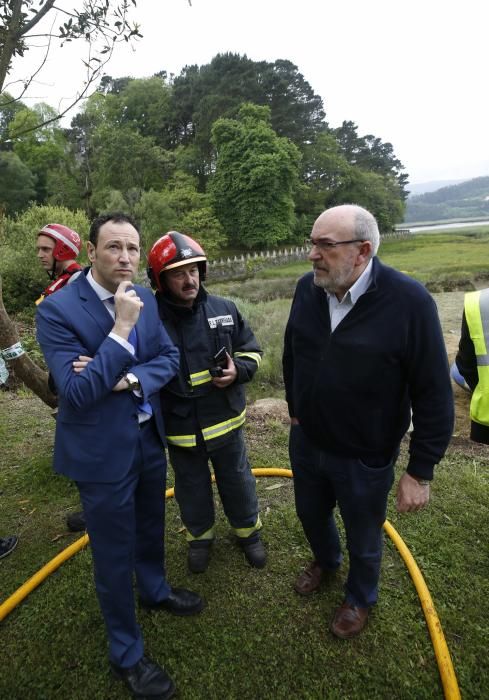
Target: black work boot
199	552
255	552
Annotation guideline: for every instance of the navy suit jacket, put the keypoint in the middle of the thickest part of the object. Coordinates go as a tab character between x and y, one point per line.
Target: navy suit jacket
97	428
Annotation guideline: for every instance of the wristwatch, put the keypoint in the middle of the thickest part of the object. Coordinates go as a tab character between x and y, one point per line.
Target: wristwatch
132	382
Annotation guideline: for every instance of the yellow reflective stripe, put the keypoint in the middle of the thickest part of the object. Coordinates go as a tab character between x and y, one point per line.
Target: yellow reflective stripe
479	403
182	440
209	433
226	426
252	355
207	535
474	322
200	377
247	531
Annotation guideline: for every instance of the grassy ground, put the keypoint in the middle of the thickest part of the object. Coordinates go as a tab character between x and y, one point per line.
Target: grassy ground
256	639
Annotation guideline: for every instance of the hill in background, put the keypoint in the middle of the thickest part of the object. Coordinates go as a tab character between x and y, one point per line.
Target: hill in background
467	200
422	187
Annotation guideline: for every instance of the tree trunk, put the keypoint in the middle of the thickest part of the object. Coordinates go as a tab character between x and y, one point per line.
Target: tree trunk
10	39
25	369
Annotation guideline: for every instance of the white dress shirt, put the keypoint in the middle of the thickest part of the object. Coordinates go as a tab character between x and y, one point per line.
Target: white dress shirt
339	309
104	295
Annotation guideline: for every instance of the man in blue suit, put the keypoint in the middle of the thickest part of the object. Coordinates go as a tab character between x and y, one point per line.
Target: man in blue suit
109	356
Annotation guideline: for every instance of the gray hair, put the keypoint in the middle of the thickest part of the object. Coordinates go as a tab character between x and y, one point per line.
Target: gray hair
366	227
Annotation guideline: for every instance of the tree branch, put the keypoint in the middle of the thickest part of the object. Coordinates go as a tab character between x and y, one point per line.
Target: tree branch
37	18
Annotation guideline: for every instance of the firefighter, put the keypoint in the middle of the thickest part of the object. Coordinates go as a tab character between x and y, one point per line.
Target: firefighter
57	249
204	406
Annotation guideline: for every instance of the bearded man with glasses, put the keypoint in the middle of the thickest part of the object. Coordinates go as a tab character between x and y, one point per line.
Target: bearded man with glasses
363	352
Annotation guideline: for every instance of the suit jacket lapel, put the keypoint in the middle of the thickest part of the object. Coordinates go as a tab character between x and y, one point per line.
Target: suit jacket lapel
92	305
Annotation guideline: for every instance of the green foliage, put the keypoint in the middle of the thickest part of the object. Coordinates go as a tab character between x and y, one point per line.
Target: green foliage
155	216
219	88
441	260
145	106
337	173
9	106
270	168
22	276
124	159
180	207
370	153
17	183
43	149
203	225
107	200
377	193
255	176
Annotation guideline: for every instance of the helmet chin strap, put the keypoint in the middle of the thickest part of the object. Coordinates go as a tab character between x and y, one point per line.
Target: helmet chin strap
52	271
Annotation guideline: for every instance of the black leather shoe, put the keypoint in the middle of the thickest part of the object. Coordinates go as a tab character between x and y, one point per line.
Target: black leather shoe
76	522
179	602
146	680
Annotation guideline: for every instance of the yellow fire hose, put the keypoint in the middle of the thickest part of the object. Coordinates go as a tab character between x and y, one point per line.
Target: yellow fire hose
442	654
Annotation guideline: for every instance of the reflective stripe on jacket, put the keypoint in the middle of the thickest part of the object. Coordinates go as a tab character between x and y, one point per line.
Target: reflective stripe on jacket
196	411
476	306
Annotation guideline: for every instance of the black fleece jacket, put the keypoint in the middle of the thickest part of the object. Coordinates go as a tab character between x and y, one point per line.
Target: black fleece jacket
353	390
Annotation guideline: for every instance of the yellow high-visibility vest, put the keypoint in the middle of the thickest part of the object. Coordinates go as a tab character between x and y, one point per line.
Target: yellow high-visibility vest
476	308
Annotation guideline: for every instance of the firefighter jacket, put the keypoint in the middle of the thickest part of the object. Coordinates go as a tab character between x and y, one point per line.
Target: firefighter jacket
196	412
68	275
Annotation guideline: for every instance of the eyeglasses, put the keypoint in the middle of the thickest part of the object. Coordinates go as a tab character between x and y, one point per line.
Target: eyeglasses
329	245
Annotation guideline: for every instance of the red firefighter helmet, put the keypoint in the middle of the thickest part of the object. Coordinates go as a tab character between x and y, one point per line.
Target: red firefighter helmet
173	250
67	243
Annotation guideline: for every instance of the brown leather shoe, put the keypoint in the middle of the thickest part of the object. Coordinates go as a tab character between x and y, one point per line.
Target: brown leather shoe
310	579
349	620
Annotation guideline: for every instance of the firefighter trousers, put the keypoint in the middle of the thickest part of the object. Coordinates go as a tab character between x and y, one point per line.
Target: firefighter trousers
235	483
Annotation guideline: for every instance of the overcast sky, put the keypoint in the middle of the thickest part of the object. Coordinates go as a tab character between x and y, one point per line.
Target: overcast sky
413	73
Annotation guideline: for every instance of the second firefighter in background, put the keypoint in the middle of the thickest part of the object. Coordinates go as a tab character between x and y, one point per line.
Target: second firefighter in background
204	406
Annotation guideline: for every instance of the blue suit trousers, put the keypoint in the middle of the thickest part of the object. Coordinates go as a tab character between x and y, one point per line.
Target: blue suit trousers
125	522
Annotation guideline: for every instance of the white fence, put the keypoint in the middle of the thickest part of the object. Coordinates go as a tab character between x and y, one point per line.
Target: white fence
247	264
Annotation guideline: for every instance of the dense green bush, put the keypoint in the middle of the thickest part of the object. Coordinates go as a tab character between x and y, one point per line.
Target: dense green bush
22	276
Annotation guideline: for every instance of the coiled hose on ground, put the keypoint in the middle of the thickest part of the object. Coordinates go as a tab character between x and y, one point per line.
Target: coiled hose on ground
442	653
